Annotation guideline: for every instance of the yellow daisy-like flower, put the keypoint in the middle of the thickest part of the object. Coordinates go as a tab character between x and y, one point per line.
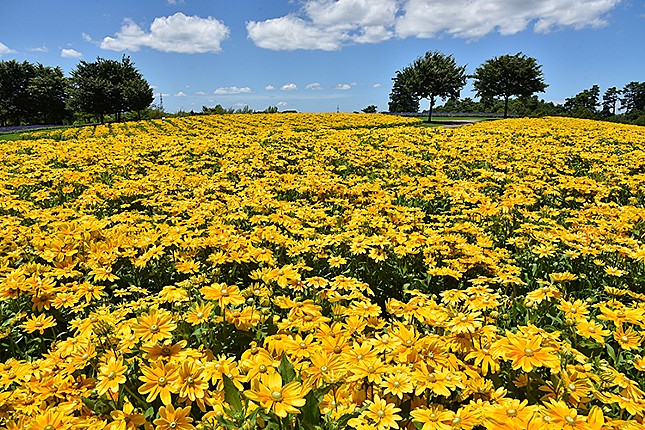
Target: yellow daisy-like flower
527	354
275	397
383	414
154	326
174	419
111	374
39	323
161	380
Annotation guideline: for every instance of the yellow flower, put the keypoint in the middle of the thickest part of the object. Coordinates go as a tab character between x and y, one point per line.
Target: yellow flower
154	326
38	323
434	418
161	380
50	420
174	419
527	354
224	294
274	397
627	339
383	414
111	374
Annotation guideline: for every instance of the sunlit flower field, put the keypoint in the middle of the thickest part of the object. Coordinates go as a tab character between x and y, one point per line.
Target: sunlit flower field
323	271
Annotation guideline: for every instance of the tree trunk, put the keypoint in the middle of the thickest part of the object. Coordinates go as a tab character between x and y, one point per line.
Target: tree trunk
431	107
506	107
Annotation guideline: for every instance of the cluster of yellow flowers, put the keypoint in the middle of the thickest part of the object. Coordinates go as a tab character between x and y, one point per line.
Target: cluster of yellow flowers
323	271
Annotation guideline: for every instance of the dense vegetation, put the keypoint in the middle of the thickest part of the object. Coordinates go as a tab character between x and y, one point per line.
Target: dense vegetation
323	272
37	94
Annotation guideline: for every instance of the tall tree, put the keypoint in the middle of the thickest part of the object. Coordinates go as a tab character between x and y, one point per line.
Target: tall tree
14	97
507	76
609	101
47	91
436	75
109	87
633	97
584	104
402	99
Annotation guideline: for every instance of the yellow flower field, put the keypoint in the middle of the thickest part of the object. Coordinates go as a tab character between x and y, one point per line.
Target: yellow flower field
323	271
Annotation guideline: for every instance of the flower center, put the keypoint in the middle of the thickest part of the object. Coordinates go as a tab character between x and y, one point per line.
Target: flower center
262	368
624	339
324	368
165	350
456	421
224	292
529	352
38	324
190	380
592	329
571	387
303	345
162	381
463	319
154	328
570	419
337	350
173	425
200	314
511	412
397	384
111	375
380	413
432	377
276	395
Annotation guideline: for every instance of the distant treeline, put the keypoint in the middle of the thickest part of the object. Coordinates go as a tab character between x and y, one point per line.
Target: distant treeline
38	94
626	105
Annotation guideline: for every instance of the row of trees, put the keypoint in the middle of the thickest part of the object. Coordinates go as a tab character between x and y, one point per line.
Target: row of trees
504	84
438	76
37	94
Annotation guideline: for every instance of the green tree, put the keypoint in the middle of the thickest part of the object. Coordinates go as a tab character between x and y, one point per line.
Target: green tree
609	100
402	98
15	103
633	98
436	75
109	87
48	94
370	109
507	76
584	104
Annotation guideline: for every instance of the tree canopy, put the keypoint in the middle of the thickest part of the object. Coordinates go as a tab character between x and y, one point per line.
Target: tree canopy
436	75
109	87
507	76
402	99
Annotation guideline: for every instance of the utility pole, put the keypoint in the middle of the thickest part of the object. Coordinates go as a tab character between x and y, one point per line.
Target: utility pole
161	102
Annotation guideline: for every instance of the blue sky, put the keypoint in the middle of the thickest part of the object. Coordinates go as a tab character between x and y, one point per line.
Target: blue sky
324	55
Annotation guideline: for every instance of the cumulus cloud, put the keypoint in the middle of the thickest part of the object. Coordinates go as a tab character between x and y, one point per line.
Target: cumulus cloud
282	104
232	90
343	87
269	88
331	24
314	86
180	94
4	49
289	87
70	53
477	18
376	86
39	49
176	33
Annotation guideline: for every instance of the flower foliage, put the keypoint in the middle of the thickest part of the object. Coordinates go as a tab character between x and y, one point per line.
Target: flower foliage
322	272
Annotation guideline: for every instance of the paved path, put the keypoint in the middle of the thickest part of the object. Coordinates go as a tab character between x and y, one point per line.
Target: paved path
459	123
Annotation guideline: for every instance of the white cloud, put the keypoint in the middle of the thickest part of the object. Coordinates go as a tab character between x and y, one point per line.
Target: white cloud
343	87
70	53
290	33
476	18
4	49
175	33
331	24
289	87
269	88
39	49
376	86
200	93
232	90
282	104
314	86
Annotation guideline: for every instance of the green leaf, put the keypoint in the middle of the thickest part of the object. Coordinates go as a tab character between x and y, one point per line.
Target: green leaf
311	410
232	397
611	352
286	370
